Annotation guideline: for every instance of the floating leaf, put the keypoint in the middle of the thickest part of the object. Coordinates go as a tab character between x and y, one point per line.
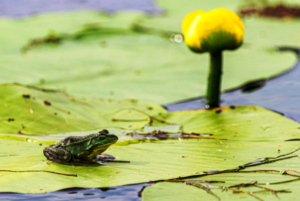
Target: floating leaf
41	111
249	133
267	186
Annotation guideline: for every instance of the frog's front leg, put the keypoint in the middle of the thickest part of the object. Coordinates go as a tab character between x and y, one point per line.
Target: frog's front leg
58	155
83	156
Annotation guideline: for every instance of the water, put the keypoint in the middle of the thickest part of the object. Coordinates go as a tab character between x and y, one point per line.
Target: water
128	192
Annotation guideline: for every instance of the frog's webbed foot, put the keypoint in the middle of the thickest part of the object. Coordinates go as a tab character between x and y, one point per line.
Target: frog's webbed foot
105	157
100	159
83	157
57	155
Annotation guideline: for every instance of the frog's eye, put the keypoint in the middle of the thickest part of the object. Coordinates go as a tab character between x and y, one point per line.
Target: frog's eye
102	134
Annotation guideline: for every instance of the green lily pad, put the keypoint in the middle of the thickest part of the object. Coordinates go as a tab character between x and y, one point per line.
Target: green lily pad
147	162
29	110
103	56
285	186
236	123
178	191
239	135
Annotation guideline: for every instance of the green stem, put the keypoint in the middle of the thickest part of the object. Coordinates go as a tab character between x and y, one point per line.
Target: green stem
214	81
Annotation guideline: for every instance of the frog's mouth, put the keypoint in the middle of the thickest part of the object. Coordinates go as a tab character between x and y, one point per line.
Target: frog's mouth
100	148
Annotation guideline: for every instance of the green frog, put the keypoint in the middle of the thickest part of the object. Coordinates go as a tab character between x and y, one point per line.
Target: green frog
76	150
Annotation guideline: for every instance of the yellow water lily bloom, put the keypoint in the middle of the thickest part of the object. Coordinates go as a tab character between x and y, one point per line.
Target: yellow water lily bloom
213	31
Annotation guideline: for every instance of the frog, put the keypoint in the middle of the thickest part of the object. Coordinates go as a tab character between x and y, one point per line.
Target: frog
78	150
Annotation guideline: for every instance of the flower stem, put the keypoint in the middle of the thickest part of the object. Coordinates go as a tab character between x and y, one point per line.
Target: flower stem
214	80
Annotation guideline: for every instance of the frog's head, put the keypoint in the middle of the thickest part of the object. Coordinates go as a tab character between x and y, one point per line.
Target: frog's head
100	142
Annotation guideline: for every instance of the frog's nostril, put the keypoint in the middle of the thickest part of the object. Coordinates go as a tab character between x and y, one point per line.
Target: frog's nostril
116	137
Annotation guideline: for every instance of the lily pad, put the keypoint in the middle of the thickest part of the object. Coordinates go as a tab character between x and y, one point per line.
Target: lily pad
236	123
147	162
100	55
239	136
179	191
260	185
33	110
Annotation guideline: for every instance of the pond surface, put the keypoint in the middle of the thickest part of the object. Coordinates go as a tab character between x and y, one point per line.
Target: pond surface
128	192
279	94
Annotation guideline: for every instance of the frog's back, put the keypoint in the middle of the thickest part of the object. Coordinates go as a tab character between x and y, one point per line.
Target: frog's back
76	144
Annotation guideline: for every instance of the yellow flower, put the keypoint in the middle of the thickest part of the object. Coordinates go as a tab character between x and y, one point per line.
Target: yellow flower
213	31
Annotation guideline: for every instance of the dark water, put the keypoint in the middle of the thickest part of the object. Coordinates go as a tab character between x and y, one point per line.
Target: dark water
128	192
280	94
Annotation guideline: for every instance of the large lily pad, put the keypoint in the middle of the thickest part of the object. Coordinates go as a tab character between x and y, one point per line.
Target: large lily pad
179	191
147	162
265	182
227	148
102	56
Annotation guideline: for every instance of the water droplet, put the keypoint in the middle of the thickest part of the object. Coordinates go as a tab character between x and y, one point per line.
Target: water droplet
178	38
